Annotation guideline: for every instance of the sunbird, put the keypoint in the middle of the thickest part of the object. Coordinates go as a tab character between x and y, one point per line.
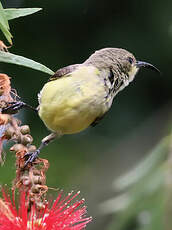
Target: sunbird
79	95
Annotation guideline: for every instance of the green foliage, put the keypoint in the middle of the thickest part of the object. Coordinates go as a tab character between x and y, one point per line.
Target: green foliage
16	13
143	195
4	26
148	165
19	60
8	14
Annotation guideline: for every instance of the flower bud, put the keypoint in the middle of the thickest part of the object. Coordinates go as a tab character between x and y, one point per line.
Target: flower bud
17	147
9	132
26	139
31	148
25	129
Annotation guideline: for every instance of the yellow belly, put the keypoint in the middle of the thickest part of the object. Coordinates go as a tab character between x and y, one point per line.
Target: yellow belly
71	103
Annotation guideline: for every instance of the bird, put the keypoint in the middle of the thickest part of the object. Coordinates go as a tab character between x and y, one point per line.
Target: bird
79	95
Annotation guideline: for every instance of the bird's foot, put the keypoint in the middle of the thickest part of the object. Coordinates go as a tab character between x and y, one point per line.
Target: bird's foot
13	107
31	157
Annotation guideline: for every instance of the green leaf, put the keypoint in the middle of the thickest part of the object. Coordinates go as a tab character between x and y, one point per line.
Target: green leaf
4	21
4	26
147	213
19	60
146	166
142	190
16	13
146	199
6	32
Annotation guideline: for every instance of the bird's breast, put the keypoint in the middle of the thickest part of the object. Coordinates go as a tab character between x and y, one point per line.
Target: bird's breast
71	103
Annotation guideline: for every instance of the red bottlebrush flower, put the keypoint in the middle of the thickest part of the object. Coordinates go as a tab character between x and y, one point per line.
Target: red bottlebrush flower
61	216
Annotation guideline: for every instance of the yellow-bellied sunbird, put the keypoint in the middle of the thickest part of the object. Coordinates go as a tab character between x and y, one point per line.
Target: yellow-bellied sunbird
78	96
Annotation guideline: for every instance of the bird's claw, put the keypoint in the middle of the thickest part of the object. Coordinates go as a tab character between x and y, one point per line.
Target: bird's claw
13	107
31	157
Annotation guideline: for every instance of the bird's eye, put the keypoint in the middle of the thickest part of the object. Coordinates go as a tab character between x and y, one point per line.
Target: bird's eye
130	59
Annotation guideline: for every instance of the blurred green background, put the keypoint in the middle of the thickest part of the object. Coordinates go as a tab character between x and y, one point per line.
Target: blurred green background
67	32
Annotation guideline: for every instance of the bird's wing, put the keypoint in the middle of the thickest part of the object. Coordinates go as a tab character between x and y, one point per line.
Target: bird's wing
64	71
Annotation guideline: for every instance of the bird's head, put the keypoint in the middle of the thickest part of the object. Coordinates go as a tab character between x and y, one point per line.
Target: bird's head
120	64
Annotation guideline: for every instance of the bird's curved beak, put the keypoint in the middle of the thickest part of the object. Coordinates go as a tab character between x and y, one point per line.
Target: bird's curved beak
146	65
